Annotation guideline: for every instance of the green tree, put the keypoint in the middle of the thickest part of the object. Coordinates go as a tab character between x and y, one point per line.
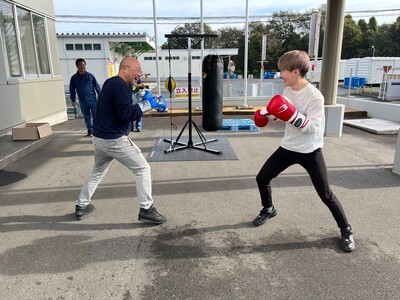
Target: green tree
373	25
396	38
256	31
368	33
231	37
388	40
352	37
189	28
286	31
383	41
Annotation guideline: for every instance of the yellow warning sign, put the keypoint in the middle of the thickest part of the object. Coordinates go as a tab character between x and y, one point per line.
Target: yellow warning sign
111	70
182	92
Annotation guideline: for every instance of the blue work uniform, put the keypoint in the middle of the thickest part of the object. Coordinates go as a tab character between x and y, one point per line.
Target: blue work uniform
86	86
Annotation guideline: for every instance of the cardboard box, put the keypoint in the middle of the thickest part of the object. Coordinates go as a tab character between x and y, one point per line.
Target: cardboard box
31	131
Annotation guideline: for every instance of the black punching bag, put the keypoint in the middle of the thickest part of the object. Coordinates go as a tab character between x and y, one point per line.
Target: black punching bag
213	76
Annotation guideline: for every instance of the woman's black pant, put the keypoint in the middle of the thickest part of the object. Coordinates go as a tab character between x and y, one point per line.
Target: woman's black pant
314	164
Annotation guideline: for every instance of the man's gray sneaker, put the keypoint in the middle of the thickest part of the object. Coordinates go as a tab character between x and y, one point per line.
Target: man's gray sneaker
151	215
82	211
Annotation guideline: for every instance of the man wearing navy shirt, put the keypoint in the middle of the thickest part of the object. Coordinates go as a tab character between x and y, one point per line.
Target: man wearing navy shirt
111	127
86	86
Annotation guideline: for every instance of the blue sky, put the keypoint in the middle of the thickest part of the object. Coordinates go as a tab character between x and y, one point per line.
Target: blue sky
191	8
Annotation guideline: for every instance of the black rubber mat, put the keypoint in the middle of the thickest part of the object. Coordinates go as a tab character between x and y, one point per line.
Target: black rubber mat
164	151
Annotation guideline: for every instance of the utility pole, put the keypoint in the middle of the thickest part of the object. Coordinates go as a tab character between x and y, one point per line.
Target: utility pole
263	58
313	41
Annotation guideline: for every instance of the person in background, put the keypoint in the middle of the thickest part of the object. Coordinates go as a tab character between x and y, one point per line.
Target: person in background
139	121
86	86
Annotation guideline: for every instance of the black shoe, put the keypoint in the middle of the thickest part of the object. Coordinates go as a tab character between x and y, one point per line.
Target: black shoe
82	211
347	243
151	215
89	134
264	215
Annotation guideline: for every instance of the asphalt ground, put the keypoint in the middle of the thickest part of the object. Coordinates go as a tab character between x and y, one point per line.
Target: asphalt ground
208	248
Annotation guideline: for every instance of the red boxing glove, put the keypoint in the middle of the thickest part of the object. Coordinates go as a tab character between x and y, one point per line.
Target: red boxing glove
280	107
261	117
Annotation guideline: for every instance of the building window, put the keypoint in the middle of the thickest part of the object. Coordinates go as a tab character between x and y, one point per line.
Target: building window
41	44
26	38
195	57
78	47
172	58
153	58
8	31
27	49
87	47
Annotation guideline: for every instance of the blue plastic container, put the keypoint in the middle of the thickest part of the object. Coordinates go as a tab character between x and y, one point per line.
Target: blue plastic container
355	82
363	81
269	75
346	82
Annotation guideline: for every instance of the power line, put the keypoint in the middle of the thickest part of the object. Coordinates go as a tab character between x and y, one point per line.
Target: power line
191	19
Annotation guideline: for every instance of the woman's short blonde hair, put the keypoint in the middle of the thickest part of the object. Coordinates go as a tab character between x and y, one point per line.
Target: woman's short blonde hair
293	60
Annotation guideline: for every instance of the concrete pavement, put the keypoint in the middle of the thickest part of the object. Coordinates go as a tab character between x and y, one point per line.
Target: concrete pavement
208	249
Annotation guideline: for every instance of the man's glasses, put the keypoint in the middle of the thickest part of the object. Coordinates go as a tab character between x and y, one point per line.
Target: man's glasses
139	69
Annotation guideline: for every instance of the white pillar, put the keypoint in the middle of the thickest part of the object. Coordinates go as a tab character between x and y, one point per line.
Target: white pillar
246	52
334	115
396	163
331	61
156	42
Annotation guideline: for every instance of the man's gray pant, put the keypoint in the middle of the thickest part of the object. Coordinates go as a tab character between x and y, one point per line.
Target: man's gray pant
128	154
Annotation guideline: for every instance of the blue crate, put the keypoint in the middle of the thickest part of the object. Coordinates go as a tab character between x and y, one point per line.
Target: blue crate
236	125
355	82
346	82
269	75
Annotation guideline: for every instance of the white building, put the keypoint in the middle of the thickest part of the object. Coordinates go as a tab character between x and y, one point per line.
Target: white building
179	62
369	68
102	52
31	85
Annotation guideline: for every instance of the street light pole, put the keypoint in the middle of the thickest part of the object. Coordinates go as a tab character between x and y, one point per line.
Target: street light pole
373	51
